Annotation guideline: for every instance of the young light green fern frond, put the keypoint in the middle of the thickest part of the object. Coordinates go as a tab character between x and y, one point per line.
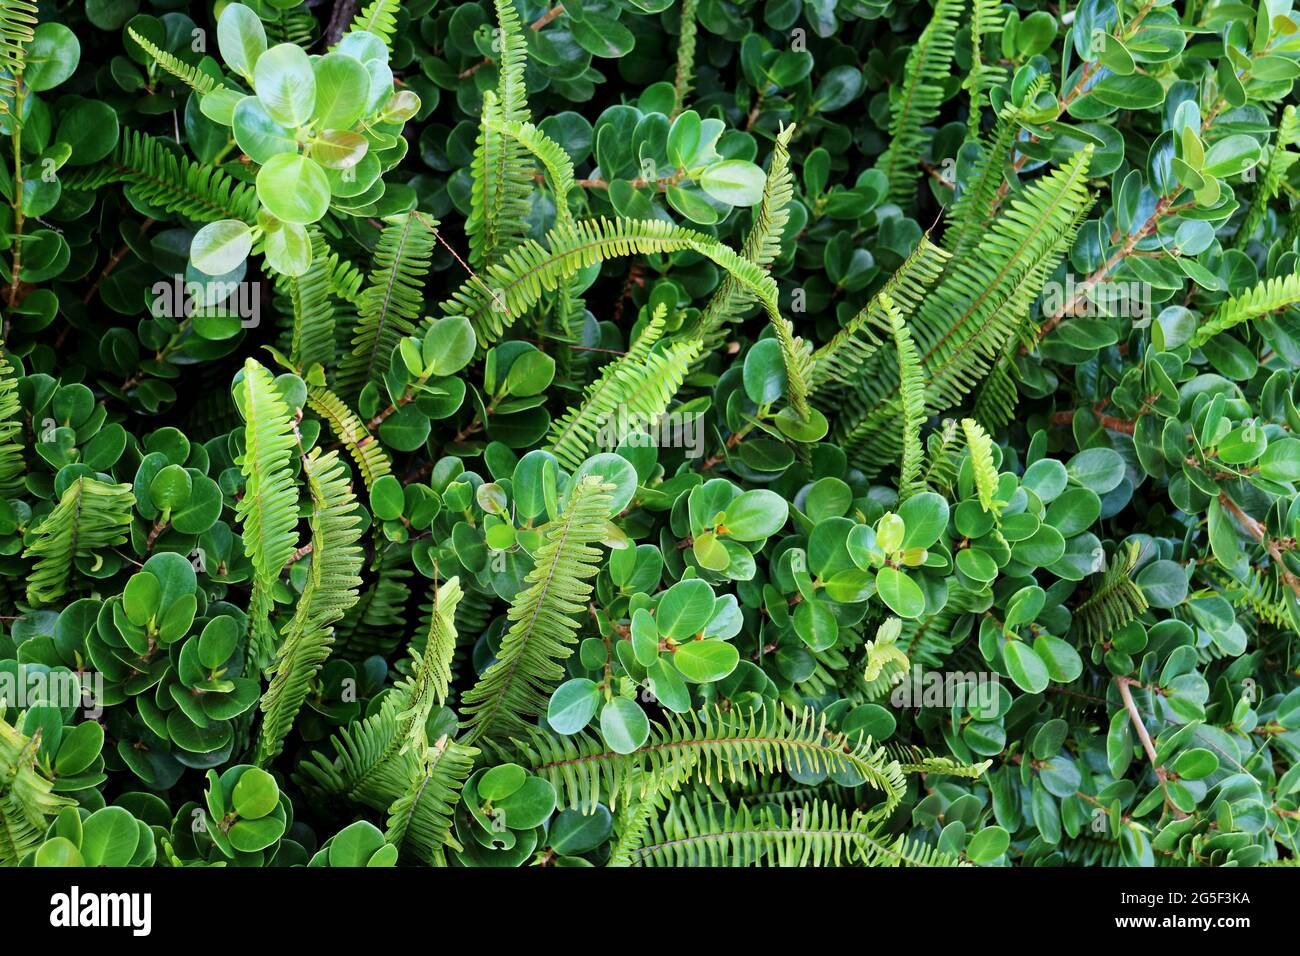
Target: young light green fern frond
89	517
912	390
982	465
333	583
1271	295
517	685
380	18
685	57
368	454
392	301
762	245
268	510
191	76
987	20
13	468
27	799
17	31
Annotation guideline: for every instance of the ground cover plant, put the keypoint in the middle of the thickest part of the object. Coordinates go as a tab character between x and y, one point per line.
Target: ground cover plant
649	433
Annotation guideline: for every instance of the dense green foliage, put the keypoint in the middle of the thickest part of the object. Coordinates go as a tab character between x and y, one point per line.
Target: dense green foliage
638	432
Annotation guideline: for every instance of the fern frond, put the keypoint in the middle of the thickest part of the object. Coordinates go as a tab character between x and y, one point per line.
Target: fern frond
982	466
964	322
1271	295
13	467
508	288
762	245
420	820
90	516
380	18
706	833
986	20
369	455
912	390
839	361
17	32
501	195
27	799
554	158
378	623
191	76
314	336
977	200
159	175
914	759
886	663
685	57
708	745
517	685
1115	599
268	510
631	393
392	300
941	452
433	663
1280	161
333	582
915	101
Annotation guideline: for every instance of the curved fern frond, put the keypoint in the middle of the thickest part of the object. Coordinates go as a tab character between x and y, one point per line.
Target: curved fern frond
501	195
509	287
191	76
762	244
12	466
915	101
554	158
709	745
27	798
91	515
159	175
333	582
392	300
517	685
1271	295
369	455
840	361
631	393
268	509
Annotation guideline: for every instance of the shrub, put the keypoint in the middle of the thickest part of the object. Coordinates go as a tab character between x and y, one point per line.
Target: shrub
649	433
